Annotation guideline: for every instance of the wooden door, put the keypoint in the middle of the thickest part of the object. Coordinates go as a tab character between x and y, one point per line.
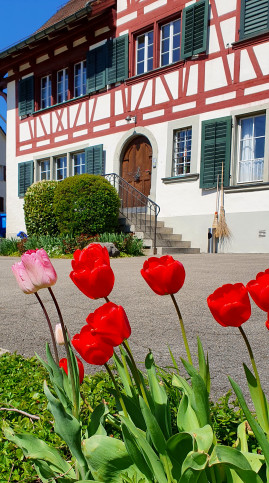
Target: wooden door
136	167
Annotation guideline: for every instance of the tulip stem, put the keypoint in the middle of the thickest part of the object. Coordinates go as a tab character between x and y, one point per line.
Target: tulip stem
262	398
70	368
50	328
106	299
182	329
117	389
136	372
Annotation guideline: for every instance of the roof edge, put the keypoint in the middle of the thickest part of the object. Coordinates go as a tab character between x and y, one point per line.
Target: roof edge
43	33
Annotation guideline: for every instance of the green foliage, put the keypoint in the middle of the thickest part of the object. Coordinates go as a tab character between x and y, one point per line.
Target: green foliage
8	246
38	208
86	204
125	242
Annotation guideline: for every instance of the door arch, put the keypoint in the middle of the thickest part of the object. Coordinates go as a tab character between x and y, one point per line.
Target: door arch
136	164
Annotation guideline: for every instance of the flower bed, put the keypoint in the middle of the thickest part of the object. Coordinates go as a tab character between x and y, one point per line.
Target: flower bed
165	425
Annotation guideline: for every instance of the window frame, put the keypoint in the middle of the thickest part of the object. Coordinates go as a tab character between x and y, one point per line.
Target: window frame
64	168
48	92
146	58
175	164
80	165
238	153
83	77
171	37
46	171
64	83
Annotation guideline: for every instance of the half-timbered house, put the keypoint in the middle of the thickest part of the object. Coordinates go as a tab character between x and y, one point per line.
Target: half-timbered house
166	94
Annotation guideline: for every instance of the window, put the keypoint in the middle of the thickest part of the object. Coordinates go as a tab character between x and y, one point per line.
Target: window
251	149
215	152
80	79
194	29
61	168
62	85
182	152
170	42
44	169
45	91
144	52
79	163
2	172
254	17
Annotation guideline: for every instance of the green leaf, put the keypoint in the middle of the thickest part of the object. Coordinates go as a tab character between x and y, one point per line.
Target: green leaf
186	416
255	396
242	442
260	436
134	451
134	411
173	360
193	465
153	428
150	456
37	449
231	456
67	427
203	365
182	384
107	458
159	396
96	424
122	373
178	447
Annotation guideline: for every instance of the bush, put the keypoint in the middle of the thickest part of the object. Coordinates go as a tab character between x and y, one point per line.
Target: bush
8	246
38	209
86	204
124	242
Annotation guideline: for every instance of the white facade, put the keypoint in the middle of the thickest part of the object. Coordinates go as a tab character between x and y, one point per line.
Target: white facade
2	171
229	81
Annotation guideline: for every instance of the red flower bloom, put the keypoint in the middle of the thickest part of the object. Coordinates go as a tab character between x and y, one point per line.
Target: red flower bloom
230	305
259	290
64	365
92	273
110	322
91	347
164	275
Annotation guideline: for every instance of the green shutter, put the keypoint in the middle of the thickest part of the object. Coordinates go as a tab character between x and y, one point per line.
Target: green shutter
216	149
26	96
194	29
25	176
111	61
117	59
254	17
94	159
96	68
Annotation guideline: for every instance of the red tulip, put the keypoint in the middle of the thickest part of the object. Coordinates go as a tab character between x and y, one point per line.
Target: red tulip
91	347
35	271
92	273
230	305
110	322
259	290
63	363
164	275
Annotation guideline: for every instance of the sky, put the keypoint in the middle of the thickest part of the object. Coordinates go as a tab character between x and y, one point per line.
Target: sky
19	19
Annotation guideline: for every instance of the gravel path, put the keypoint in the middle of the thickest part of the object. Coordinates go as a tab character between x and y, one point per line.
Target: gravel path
152	318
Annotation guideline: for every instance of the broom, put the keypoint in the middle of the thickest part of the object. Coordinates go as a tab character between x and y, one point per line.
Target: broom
222	230
215	220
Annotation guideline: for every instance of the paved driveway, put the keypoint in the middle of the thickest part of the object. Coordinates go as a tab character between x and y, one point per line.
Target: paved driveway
153	318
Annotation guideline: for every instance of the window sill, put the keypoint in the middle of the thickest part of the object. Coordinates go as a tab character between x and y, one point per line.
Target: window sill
247	187
150	73
179	179
55	106
250	40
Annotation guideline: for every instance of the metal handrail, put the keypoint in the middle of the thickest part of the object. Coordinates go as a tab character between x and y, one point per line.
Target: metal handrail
136	207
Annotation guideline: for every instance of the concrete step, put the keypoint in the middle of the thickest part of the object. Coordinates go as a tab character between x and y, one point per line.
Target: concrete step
148	242
176	250
160	230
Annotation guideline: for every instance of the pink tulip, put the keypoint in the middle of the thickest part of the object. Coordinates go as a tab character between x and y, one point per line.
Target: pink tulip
35	271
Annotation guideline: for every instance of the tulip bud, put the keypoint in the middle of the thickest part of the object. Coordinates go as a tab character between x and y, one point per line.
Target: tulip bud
59	334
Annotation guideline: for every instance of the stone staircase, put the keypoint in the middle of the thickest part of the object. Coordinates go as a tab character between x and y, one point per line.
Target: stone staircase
167	242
